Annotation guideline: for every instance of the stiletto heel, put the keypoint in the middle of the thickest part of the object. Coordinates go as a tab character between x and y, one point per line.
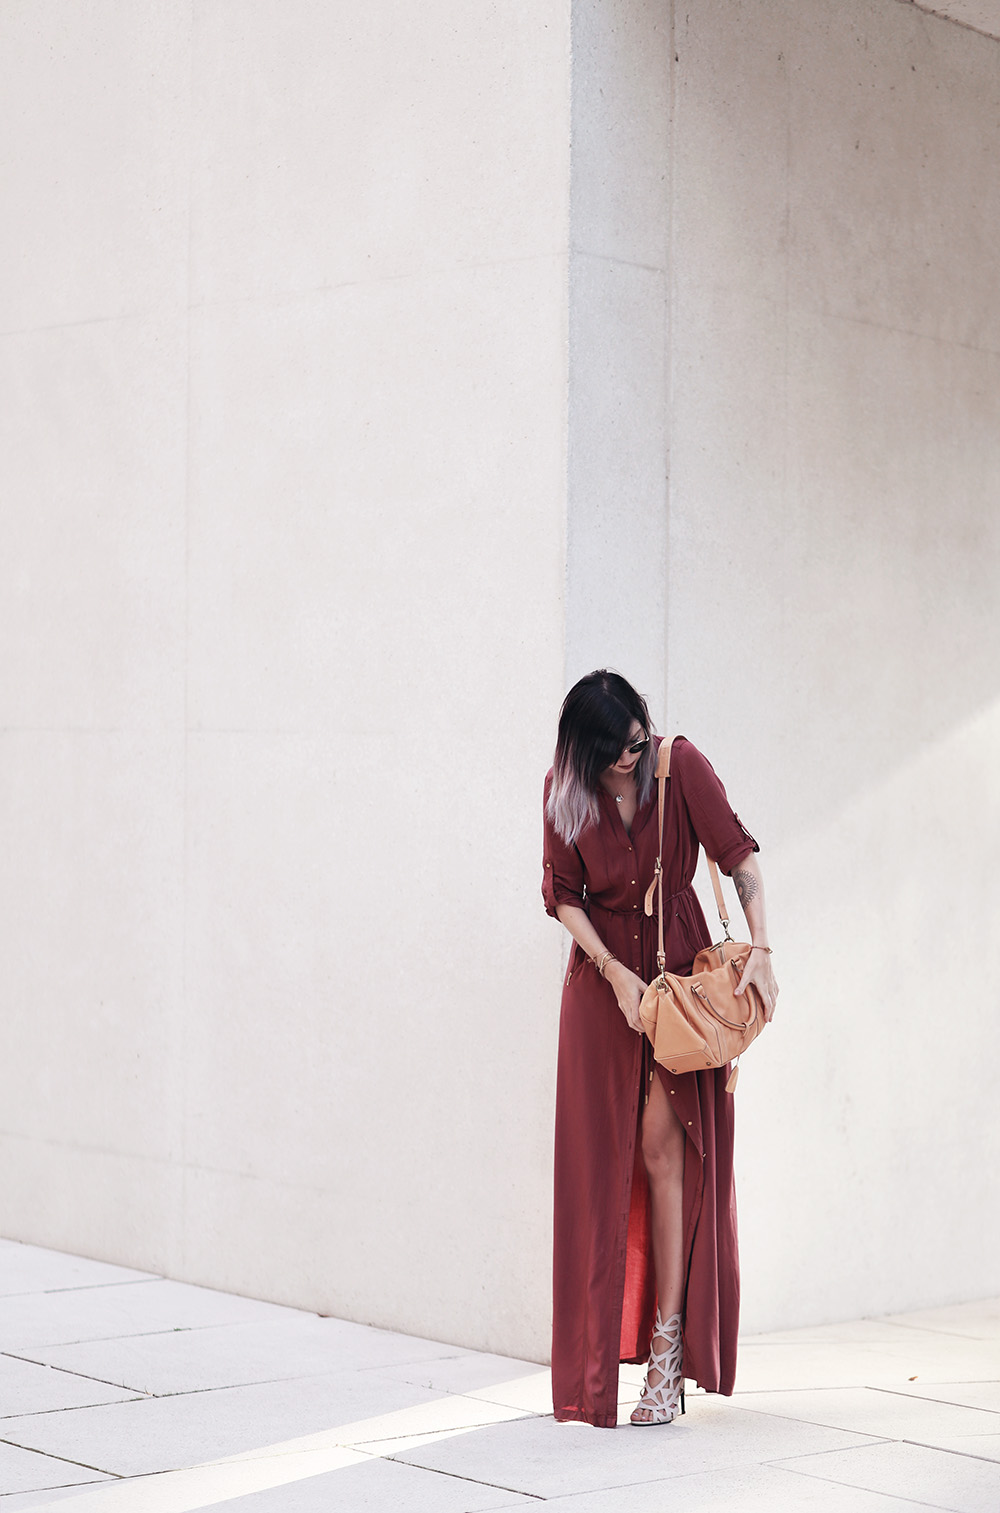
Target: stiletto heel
667	1398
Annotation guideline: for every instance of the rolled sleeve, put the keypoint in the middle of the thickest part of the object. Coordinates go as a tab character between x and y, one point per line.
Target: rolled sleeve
716	824
562	866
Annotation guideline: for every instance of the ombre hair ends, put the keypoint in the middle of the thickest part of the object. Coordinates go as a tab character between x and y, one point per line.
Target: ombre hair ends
595	725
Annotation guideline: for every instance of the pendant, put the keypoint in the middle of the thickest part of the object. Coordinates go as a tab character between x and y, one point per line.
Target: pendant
619	797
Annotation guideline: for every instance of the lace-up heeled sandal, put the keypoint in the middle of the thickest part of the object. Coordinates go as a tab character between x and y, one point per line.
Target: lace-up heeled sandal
666	1399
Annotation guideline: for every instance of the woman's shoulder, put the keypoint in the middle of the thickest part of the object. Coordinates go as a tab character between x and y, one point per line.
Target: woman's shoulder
686	758
679	746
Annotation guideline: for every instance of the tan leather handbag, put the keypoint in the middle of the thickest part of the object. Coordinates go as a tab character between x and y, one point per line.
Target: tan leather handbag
698	1022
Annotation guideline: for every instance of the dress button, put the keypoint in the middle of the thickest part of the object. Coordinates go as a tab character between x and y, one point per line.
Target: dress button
689	1124
633	882
635	937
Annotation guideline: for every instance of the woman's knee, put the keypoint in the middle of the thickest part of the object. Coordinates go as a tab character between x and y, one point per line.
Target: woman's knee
663	1154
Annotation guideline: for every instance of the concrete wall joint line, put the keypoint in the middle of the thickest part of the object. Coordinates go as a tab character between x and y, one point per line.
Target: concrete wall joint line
942	14
610	257
909	332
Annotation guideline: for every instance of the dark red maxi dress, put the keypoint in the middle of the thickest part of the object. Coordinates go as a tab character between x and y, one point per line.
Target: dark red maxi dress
604	1287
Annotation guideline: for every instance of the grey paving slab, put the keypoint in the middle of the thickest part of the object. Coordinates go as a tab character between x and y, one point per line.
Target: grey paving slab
979	1320
539	1456
241	1377
25	1471
512	1384
31	1268
770	1365
848	1332
380	1487
969	1394
462	1371
168	1433
288	1345
26	1387
958	1483
749	1489
34	1322
800	1364
887	1415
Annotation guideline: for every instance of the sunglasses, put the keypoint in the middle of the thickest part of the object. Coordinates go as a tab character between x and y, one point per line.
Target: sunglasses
637	746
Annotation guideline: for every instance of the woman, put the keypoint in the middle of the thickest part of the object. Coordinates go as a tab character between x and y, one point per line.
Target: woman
645	1256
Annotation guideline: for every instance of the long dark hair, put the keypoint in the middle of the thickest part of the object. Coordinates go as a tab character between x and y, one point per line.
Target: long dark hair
595	723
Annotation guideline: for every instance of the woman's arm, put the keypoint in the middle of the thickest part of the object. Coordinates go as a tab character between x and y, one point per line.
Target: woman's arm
750	888
627	987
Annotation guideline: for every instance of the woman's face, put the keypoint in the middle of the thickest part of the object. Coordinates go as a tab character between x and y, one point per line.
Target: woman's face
629	759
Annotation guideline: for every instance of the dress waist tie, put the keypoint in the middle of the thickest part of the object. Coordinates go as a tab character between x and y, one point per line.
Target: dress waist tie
627	913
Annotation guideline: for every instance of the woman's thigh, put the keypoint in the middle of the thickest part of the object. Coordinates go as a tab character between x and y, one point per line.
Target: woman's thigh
662	1135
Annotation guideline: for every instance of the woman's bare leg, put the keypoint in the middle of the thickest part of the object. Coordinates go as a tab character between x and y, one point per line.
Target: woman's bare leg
663	1155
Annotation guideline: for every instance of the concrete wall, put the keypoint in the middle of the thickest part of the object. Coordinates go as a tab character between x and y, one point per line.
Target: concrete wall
833	622
284	432
616	579
336	419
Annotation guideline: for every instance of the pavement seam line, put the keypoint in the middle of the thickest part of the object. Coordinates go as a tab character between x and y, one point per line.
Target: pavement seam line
476	1481
944	1402
65	1459
780	1460
897	1497
47	1292
984	1460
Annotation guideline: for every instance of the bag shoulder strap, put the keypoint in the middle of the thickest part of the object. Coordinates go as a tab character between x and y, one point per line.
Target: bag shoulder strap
662	774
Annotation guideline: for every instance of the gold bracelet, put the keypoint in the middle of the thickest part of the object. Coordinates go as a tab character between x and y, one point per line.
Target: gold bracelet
600	965
763	948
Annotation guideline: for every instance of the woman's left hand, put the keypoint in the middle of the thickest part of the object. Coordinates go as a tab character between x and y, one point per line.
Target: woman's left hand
758	972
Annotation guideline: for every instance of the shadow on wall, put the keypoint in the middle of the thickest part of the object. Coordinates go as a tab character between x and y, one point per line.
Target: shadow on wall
873	1187
835	400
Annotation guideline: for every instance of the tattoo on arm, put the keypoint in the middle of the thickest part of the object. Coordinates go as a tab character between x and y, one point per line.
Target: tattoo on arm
746	887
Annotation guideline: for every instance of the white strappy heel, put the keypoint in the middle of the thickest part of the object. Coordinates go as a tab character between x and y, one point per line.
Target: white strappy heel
667	1397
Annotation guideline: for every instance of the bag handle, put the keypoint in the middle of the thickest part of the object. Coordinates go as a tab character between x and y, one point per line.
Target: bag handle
662	773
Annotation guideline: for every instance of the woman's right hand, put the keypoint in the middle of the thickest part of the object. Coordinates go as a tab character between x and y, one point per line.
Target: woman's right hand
628	989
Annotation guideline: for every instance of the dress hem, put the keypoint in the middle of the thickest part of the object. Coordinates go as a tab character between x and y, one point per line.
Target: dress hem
577	1416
